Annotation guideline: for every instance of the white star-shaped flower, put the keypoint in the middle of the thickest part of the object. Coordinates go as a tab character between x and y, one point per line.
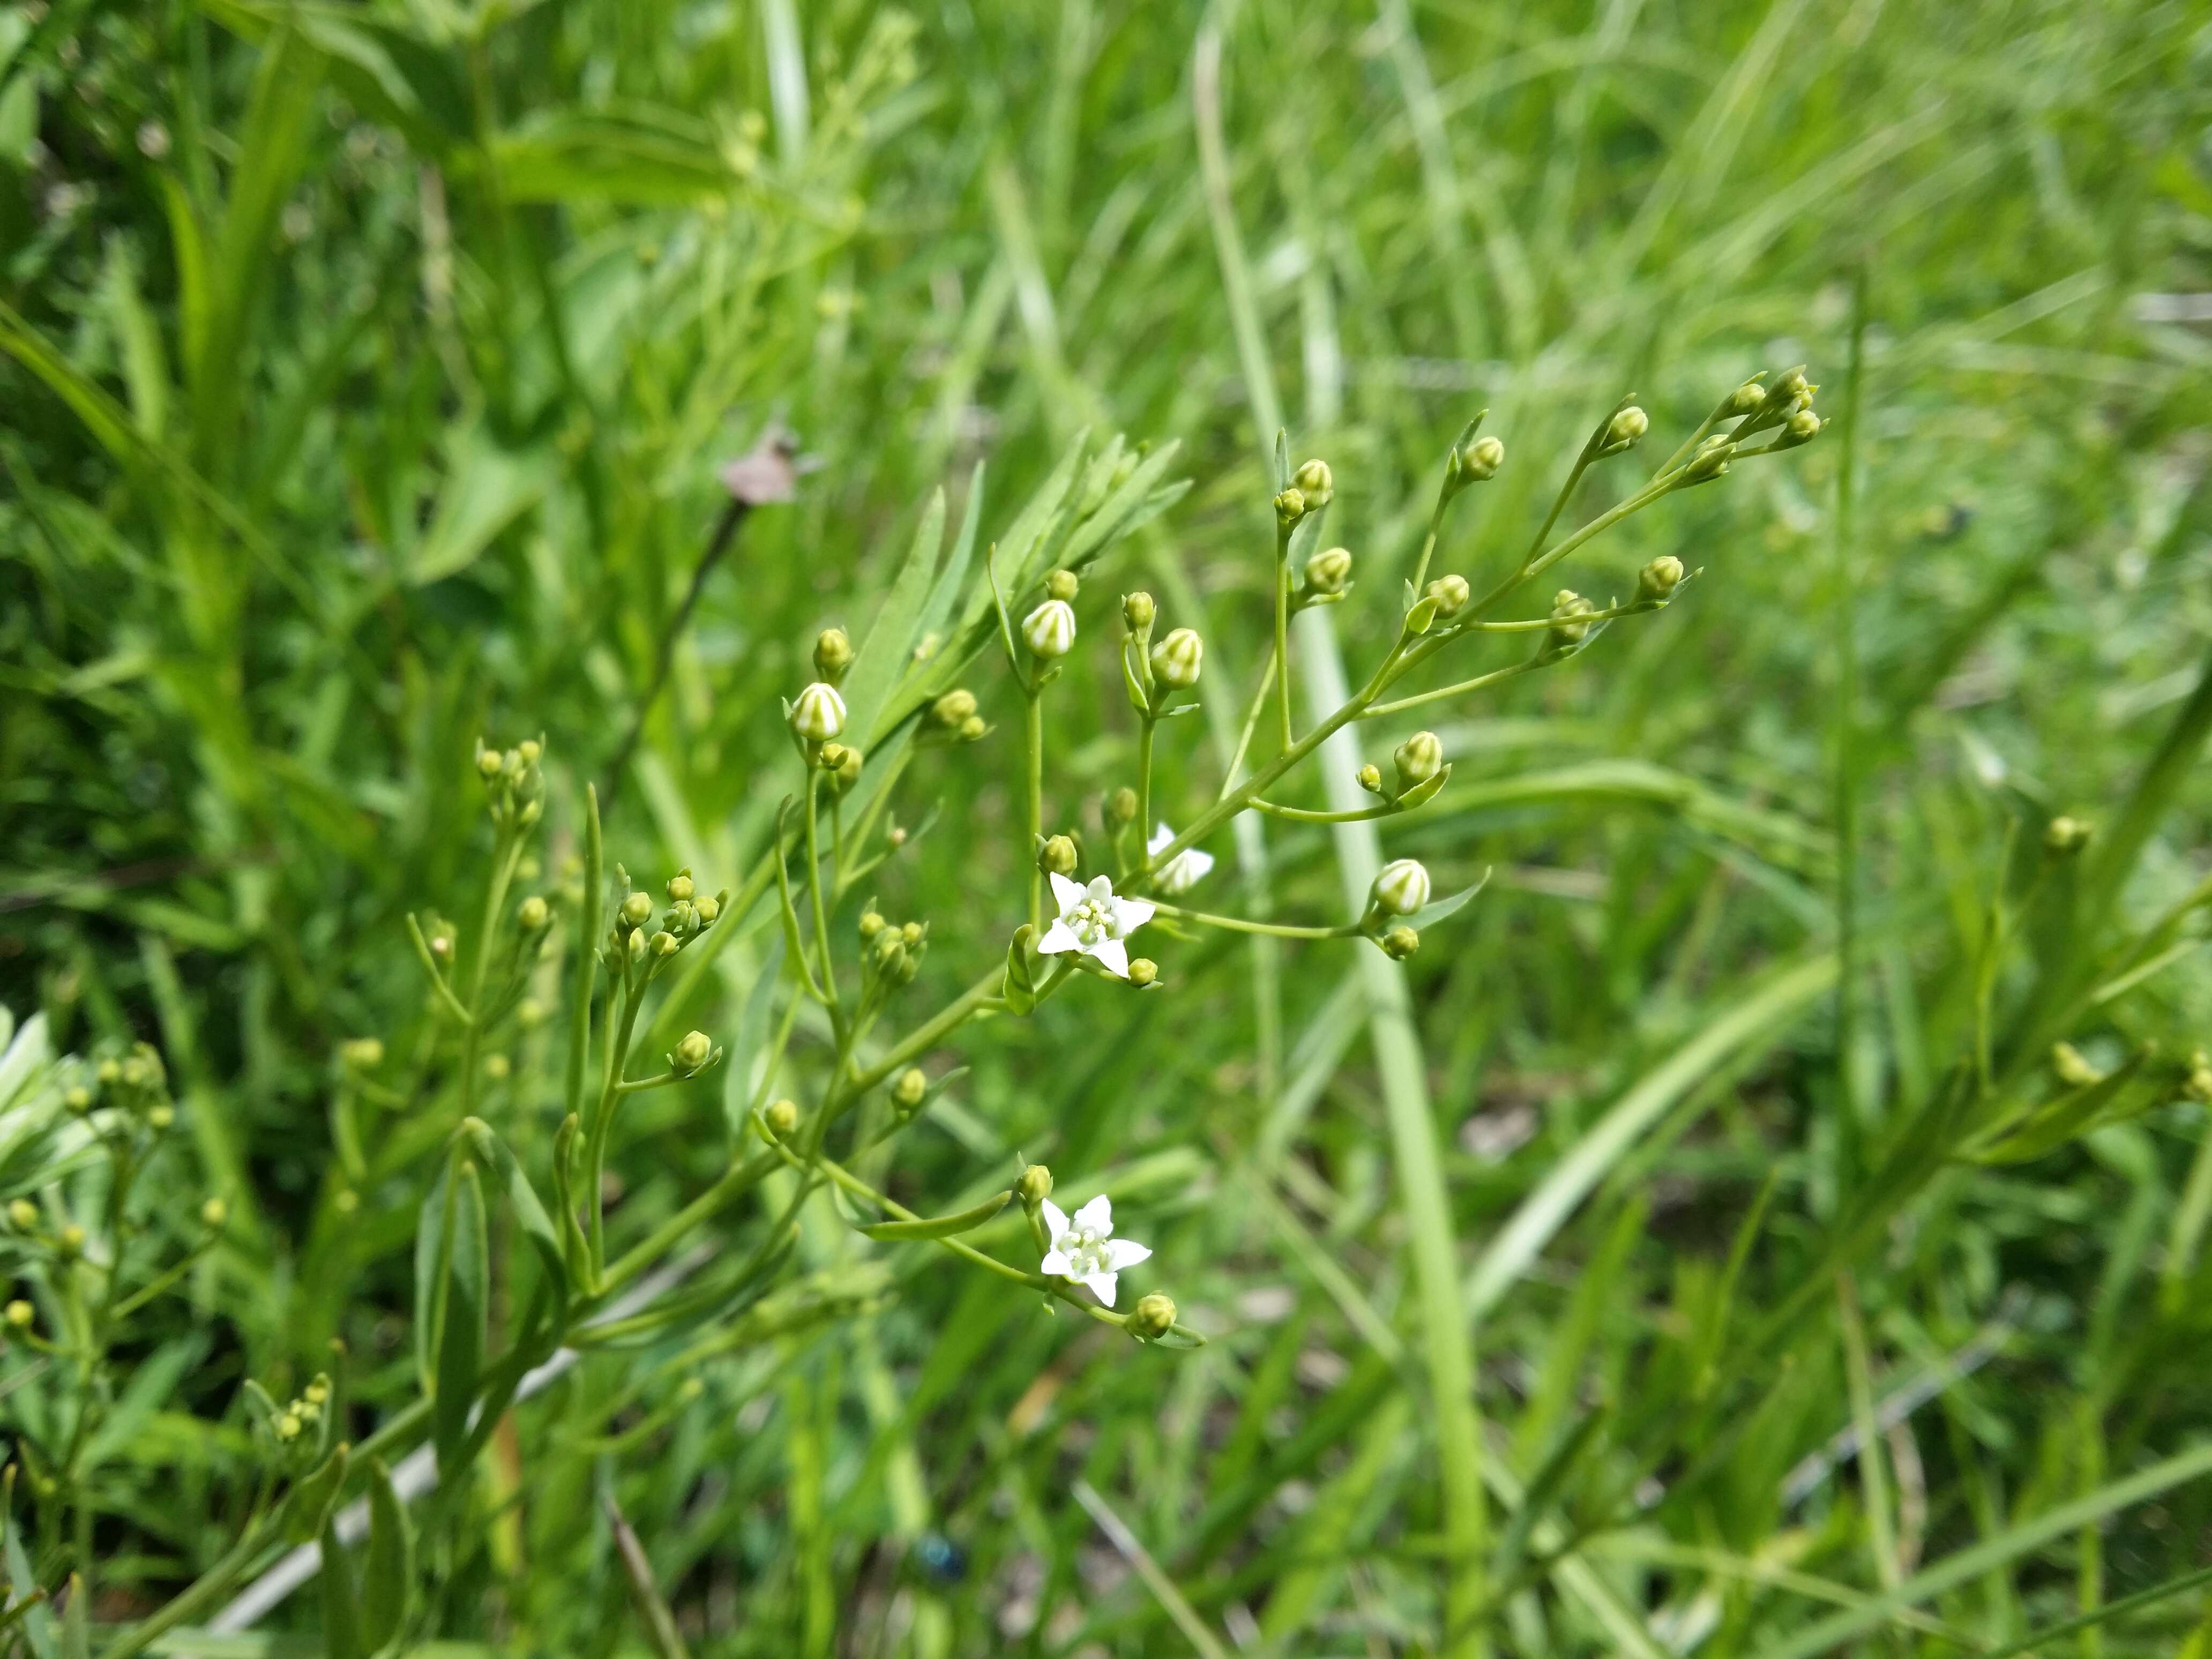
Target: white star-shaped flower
1085	1249
1094	922
1185	870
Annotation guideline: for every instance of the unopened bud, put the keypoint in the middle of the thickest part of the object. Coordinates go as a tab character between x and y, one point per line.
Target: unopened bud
1656	582
1801	428
708	907
1419	758
848	770
890	950
1062	585
21	1314
1400	942
908	1090
2062	837
529	1013
1450	593
2073	1069
1050	629
1480	459
1370	778
679	885
1710	460
972	728
636	909
22	1215
1316	483
1034	1185
664	943
832	654
695	1050
496	1066
289	1425
953	707
871	924
70	1242
782	1117
362	1053
1746	398
1624	430
489	763
1570	626
832	757
215	1212
1178	659
819	713
528	750
1143	971
1121	806
77	1098
1402	887
1138	612
913	932
1152	1318
533	913
1057	857
1329	571
635	948
1290	508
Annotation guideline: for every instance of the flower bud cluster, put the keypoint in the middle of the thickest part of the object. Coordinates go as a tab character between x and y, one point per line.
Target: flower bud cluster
635	938
890	952
954	718
1571	625
514	785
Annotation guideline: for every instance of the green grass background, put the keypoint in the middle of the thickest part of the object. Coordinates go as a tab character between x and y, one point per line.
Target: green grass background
367	371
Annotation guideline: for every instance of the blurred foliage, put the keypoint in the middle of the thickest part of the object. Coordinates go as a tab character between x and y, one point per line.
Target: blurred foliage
368	369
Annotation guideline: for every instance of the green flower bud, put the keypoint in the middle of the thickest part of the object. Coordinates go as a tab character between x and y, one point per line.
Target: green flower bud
679	885
1419	758
708	909
695	1050
1120	807
1656	582
362	1053
527	751
109	1071
1402	887
213	1213
2074	1071
953	709
1370	778
1057	857
1316	483
913	932
1034	1187
1138	611
664	943
1329	571
832	654
1152	1318
2064	837
636	946
1800	429
289	1425
909	1087
1746	398
1569	626
1400	942
345	1200
830	757
529	1013
496	1066
1050	629
871	924
819	713
161	1114
489	764
1062	585
783	1118
635	910
1290	508
22	1215
532	914
972	728
77	1098
1143	971
848	770
1710	460
1624	430
1480	459
21	1314
890	950
1451	595
1178	659
69	1243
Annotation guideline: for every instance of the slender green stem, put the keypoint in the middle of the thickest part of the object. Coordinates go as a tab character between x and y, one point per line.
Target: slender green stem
1239	925
587	944
814	897
506	854
437	976
1283	635
630	994
1301	815
1442	692
1429	542
1033	732
739	1180
1251	724
1146	726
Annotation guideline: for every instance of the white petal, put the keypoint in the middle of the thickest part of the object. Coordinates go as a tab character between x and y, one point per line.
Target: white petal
1131	914
1103	1284
1098	1215
1162	838
1201	863
1113	956
1055	1222
1125	1253
1058	937
1100	889
1056	1264
1067	894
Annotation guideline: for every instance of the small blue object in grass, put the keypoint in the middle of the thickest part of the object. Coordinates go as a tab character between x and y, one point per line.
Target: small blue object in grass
940	1557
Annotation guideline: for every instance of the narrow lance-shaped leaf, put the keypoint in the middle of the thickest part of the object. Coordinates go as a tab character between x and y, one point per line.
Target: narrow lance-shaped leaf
342	1631
460	1342
388	1569
946	1226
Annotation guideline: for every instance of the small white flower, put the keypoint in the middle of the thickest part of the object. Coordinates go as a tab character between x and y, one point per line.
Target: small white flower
1185	870
1050	629
819	713
1094	922
1085	1249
